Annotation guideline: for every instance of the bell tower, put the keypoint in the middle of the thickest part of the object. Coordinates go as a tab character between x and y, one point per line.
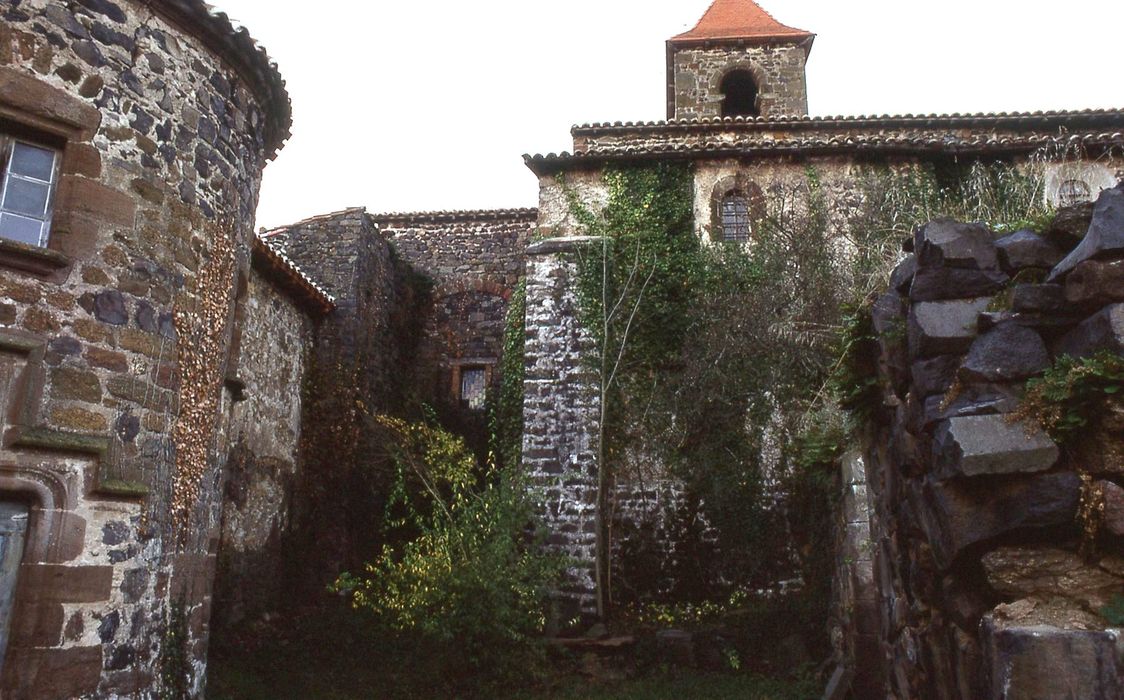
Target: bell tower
737	62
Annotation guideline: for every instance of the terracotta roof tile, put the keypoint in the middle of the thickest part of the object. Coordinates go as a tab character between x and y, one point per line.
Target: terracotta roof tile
452	216
738	19
272	259
979	143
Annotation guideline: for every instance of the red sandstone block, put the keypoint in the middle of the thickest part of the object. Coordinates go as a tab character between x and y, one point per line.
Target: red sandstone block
85	196
51	673
66	584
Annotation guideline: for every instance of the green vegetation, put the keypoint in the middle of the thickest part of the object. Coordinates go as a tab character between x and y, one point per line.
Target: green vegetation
1072	393
507	405
732	366
468	580
304	658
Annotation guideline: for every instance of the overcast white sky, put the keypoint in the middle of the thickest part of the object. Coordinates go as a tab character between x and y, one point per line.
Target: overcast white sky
404	106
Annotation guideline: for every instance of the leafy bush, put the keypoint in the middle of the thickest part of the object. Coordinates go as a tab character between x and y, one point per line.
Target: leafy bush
1072	393
467	581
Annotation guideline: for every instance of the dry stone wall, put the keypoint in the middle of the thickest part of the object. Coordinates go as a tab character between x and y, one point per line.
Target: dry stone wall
977	516
162	144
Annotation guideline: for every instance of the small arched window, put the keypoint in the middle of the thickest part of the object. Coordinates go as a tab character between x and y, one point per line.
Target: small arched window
739	94
1074	192
733	212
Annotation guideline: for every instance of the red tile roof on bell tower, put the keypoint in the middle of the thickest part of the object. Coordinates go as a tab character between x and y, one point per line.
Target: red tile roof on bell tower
739	19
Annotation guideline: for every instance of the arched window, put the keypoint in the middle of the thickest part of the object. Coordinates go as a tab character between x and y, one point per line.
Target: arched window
739	91
1074	192
733	213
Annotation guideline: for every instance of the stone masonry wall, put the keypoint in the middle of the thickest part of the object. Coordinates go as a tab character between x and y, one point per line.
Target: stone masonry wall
262	434
354	372
474	260
697	75
978	517
162	145
561	414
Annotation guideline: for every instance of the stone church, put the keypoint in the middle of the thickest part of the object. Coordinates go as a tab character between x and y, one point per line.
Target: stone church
157	355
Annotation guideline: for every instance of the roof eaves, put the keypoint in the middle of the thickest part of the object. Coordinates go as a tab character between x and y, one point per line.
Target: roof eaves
245	55
287	273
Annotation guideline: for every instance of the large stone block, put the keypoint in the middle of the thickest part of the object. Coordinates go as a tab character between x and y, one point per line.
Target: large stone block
944	327
52	673
1105	235
1047	663
946	243
1026	248
958	513
935	375
1102	331
1007	352
934	284
973	400
1038	298
902	276
991	444
1095	282
1048	572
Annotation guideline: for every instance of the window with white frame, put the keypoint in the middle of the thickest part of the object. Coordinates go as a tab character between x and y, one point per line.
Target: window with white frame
30	178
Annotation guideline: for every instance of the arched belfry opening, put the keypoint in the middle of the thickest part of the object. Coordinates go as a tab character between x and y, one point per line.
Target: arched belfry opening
739	94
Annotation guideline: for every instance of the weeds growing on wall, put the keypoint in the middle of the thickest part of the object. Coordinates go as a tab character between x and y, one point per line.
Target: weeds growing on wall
1073	393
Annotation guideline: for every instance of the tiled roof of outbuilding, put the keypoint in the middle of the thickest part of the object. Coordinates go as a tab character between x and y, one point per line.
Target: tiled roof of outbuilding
529	215
235	46
738	19
946	142
286	273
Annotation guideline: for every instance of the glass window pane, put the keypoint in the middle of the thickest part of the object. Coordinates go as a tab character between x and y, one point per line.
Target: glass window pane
735	218
26	197
473	387
33	161
22	229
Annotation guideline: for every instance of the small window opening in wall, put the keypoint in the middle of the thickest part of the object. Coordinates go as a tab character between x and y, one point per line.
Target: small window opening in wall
734	213
739	91
30	177
474	387
1074	192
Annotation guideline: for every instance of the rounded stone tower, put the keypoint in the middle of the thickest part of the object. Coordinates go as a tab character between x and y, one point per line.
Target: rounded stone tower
133	134
737	62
